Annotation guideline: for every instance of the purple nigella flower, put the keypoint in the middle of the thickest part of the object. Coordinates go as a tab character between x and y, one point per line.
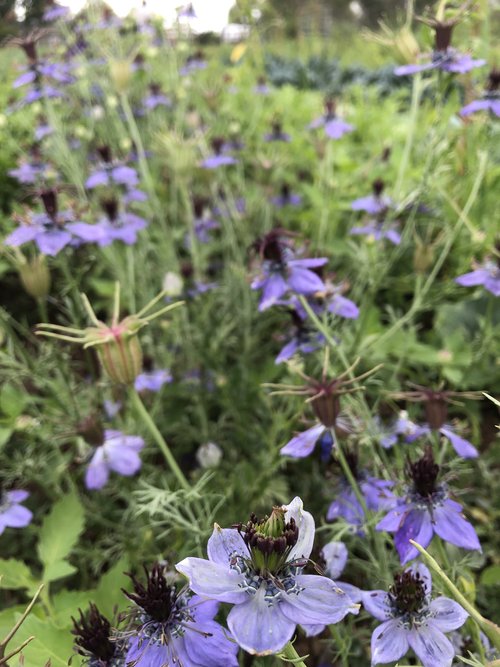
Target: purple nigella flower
335	127
286	197
387	433
176	628
282	273
42	130
12	513
109	172
28	172
376	203
436	412
119	453
376	492
55	12
261	88
258	567
411	620
444	57
487	275
49	230
426	509
116	225
378	231
152	381
491	97
193	63
303	341
218	159
277	133
156	98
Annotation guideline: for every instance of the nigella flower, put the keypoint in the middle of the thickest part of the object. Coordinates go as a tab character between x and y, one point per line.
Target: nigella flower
219	158
48	230
412	620
376	492
486	274
490	100
54	11
261	88
43	129
94	640
436	412
116	225
257	567
111	172
118	453
153	380
187	12
388	432
203	222
378	231
282	273
304	339
427	509
277	133
12	513
156	98
376	203
444	56
174	629
334	127
193	63
324	397
286	197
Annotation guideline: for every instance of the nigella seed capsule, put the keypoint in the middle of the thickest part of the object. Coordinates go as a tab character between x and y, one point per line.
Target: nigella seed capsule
121	357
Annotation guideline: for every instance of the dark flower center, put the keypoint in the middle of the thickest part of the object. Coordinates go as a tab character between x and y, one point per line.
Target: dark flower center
91	430
436	409
217	145
493	80
104	153
269	540
110	208
49	199
407	594
424	474
157	598
92	634
378	186
442	36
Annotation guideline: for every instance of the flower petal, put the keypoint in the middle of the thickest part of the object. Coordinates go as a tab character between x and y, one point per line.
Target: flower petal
462	447
389	642
303	281
305	524
416	526
124	461
376	604
259	627
303	444
451	526
335	557
320	601
209	645
213	580
97	473
431	647
223	542
16	516
447	615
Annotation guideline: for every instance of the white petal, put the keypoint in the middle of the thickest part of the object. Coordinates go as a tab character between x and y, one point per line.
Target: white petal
223	542
306	526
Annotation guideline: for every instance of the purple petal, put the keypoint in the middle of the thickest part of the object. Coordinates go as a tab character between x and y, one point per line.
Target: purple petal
320	601
413	69
17	495
273	289
212	580
22	234
86	232
287	351
473	278
477	105
222	544
124	176
215	161
51	242
303	444
308	262
25	78
97	474
376	604
97	178
462	447
260	627
335	129
451	526
125	461
447	615
417	526
492	284
305	523
339	305
209	646
393	520
16	516
393	236
431	647
389	642
335	556
303	281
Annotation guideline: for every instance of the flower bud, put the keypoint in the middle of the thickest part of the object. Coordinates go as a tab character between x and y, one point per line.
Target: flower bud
35	277
172	284
209	455
121	73
121	356
423	257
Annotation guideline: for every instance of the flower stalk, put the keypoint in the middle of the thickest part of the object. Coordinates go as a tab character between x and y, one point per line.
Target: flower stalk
289	654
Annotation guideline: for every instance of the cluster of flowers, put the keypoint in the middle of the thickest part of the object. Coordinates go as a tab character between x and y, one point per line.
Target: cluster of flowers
257	568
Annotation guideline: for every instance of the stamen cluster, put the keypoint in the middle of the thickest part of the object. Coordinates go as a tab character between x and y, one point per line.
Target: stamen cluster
408	593
424	473
158	598
92	632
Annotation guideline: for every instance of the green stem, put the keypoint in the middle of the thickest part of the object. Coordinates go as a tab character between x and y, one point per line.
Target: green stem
159	439
289	654
491	630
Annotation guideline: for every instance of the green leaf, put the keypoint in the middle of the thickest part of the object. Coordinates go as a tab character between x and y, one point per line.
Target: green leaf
490	576
108	592
67	603
5	434
60	531
58	570
50	643
15	574
12	400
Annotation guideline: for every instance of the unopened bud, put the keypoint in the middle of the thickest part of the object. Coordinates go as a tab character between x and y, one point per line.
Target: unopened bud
423	257
121	355
121	73
35	277
209	455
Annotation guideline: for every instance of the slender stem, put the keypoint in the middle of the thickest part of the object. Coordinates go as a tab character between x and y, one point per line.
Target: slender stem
289	654
491	630
159	439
